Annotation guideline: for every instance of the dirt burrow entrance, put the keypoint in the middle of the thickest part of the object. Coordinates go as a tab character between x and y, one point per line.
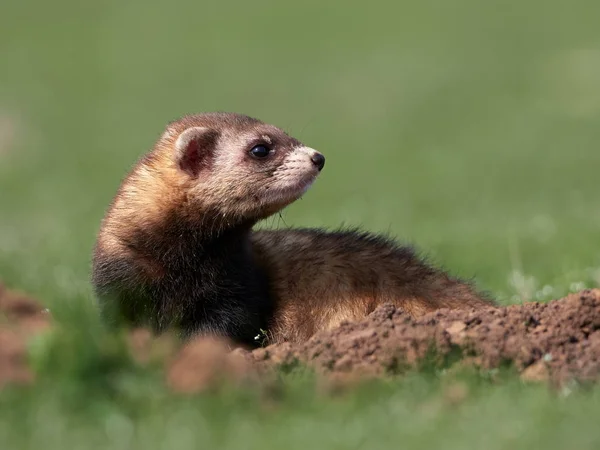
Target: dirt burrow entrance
559	340
556	341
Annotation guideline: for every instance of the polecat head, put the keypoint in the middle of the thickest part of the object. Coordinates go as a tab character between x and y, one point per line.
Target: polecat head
230	166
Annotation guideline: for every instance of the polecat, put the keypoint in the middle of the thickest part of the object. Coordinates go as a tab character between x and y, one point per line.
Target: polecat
176	246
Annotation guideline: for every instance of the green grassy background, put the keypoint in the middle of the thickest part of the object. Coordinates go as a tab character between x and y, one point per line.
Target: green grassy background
469	128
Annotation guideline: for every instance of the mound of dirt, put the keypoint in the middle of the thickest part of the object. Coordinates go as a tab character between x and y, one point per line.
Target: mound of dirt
207	363
556	341
20	318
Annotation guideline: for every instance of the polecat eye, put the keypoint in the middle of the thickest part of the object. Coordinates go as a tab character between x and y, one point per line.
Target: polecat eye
260	151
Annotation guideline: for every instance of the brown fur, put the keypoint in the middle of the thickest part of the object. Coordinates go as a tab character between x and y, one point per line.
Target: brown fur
176	246
324	278
173	249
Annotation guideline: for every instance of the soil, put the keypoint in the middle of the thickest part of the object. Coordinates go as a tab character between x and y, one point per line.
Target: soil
20	318
556	342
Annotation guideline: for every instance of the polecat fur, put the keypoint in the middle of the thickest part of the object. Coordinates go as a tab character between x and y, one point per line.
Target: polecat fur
176	248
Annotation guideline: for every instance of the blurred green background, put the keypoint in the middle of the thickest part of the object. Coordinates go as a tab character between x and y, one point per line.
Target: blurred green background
469	128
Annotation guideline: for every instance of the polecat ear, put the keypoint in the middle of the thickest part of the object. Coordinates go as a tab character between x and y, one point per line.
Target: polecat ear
194	149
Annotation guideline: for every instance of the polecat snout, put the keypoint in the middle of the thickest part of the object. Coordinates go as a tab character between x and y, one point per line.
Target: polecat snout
176	246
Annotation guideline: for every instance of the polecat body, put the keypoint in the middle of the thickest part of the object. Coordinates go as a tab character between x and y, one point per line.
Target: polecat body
321	279
176	247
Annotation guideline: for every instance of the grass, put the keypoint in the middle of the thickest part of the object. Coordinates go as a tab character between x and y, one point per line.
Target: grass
468	128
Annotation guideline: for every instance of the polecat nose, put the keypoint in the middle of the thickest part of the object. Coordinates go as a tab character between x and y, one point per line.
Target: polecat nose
318	160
